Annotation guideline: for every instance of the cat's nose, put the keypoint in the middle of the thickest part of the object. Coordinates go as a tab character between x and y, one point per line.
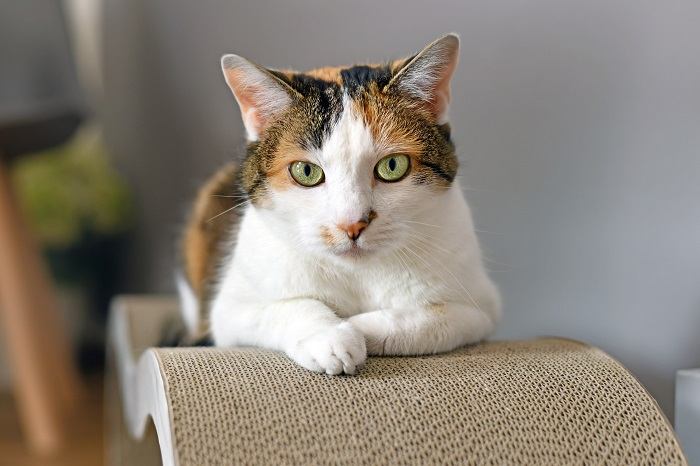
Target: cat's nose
354	230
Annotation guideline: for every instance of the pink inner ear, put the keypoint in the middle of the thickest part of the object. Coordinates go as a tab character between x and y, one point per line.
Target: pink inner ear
259	96
440	102
248	97
428	75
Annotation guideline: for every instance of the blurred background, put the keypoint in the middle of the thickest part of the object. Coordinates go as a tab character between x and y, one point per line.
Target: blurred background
577	123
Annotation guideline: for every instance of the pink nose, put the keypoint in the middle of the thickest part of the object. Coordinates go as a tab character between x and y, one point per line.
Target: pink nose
353	230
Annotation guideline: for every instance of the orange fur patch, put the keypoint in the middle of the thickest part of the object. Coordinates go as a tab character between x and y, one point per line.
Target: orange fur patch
327	236
328	73
390	134
278	173
204	234
398	126
332	73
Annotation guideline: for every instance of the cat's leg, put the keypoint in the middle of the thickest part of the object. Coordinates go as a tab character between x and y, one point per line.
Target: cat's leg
307	330
433	329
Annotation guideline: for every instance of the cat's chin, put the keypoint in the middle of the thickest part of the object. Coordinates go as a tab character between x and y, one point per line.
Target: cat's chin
352	252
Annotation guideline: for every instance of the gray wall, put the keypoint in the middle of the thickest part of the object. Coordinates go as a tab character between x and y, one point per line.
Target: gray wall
578	124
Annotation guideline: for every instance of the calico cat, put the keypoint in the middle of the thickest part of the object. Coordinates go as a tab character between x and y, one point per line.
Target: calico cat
344	232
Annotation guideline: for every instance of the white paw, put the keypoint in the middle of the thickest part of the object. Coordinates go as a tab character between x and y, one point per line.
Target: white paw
338	350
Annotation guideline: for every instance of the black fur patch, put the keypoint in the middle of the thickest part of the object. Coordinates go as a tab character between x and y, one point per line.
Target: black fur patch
323	104
438	170
359	77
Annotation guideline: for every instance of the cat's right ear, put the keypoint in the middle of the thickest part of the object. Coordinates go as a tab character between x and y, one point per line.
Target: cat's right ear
426	76
260	94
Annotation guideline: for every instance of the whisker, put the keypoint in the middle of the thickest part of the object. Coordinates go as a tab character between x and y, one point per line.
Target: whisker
406	269
490	270
234	196
465	188
441	276
431	244
228	210
421	223
405	262
486	232
469	294
427	240
497	263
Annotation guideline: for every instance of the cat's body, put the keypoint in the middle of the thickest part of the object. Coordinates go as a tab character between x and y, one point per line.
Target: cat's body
357	239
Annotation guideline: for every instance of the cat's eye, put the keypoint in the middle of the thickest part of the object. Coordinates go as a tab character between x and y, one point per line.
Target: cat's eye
392	167
306	173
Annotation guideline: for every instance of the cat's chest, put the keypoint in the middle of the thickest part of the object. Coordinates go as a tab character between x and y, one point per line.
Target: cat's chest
354	290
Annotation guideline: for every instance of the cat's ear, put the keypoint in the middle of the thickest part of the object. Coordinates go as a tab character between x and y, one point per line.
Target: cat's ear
427	75
260	94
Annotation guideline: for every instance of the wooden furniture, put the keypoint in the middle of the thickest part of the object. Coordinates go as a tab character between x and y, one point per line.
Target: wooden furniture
45	380
40	107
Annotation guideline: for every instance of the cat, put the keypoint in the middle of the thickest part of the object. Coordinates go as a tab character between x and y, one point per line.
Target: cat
344	232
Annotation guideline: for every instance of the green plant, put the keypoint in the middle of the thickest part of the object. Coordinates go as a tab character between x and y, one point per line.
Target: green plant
72	192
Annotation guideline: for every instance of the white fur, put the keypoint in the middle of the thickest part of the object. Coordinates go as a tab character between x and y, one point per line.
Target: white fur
189	306
416	285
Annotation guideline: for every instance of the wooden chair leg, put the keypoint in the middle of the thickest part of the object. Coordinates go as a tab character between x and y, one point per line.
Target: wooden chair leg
46	382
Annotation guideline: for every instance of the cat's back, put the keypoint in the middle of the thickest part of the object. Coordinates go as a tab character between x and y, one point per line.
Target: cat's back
212	220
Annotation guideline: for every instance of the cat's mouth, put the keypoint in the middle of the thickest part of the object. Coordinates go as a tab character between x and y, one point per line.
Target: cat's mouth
344	247
352	250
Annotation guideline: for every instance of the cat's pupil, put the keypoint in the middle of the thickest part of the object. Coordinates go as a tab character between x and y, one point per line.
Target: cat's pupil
307	170
392	164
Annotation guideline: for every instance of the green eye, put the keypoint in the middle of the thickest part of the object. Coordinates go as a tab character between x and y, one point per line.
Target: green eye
306	173
392	167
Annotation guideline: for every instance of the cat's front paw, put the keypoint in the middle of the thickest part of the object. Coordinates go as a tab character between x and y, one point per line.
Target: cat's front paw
376	326
338	350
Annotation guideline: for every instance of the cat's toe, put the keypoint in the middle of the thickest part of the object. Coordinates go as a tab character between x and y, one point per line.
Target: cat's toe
338	350
350	348
329	362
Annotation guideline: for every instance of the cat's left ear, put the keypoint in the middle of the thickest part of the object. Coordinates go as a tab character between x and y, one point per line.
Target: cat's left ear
427	75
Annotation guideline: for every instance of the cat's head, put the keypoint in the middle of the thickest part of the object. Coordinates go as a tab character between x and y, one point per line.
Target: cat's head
346	160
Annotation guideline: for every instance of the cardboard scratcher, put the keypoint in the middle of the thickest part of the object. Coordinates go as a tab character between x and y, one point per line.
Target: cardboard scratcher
545	401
